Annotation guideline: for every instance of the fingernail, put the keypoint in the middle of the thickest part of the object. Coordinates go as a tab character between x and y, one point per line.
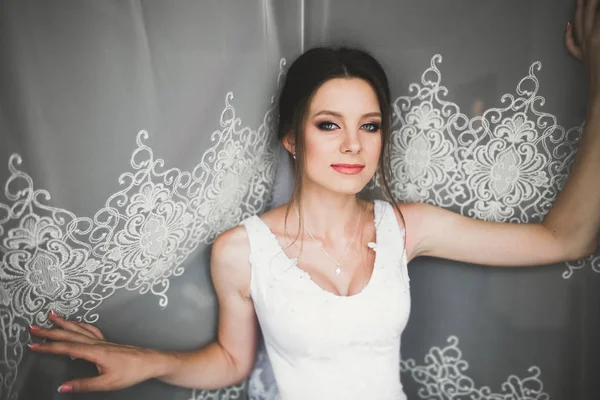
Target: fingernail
53	313
64	388
33	345
33	327
568	25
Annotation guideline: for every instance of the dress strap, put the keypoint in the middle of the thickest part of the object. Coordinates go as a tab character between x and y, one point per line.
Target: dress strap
391	238
262	240
263	247
388	229
263	243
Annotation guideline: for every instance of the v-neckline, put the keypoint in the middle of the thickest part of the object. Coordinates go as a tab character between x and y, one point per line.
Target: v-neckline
294	262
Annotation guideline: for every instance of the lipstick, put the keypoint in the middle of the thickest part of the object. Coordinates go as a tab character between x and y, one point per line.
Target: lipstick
348	169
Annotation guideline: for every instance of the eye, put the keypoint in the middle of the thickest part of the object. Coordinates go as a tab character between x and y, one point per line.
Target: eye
327	126
371	127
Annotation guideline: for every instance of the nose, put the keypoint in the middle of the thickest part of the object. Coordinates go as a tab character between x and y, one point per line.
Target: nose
351	142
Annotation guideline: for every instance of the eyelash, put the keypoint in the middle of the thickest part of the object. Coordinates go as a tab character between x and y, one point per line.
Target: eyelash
323	126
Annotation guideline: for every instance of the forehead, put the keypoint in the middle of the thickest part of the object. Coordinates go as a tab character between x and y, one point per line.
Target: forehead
346	96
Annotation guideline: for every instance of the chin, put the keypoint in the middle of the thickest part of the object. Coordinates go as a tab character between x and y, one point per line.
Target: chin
353	186
337	183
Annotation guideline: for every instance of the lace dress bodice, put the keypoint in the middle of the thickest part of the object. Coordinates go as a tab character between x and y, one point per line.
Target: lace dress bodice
325	346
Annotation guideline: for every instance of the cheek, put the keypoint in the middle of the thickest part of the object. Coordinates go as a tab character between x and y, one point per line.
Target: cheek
373	147
318	148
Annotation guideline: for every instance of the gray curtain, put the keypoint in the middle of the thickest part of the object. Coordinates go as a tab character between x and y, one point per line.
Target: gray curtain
133	132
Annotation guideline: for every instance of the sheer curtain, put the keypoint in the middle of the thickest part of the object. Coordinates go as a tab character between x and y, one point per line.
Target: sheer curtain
132	133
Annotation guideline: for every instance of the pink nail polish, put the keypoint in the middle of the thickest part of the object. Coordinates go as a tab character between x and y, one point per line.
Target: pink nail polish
33	327
64	388
33	345
53	313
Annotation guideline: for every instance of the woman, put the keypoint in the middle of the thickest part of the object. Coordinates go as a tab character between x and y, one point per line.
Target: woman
326	273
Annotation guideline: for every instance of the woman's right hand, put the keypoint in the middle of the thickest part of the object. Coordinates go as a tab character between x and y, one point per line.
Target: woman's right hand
119	366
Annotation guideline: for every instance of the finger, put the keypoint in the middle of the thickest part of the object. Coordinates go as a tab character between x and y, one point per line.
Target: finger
590	17
61	335
579	22
92	329
70	325
100	383
77	350
572	47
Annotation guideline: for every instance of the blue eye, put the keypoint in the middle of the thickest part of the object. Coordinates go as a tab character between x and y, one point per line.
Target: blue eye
371	127
327	126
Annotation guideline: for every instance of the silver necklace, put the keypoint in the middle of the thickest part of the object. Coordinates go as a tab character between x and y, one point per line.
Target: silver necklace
338	269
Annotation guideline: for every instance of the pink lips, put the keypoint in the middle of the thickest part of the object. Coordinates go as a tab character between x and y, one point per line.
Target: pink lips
348	169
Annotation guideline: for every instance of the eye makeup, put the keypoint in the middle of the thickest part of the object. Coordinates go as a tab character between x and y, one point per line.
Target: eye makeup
328	126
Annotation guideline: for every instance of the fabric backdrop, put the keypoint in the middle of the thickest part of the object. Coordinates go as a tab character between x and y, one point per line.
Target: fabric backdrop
134	132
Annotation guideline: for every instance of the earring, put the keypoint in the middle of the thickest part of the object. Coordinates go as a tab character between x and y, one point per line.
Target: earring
294	155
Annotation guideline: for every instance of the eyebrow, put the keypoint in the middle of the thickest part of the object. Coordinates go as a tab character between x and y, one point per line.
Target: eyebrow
337	114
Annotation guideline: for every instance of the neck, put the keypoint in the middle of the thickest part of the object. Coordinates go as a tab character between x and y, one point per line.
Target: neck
329	216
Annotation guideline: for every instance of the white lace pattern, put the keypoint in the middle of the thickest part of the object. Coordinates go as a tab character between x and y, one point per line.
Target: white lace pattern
506	165
54	260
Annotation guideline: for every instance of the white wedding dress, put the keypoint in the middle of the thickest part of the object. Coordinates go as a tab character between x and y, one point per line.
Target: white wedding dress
325	346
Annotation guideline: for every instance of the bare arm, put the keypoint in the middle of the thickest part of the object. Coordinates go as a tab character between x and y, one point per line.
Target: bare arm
230	359
570	229
221	363
433	231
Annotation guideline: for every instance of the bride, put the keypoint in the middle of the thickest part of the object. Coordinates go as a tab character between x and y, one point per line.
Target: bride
325	274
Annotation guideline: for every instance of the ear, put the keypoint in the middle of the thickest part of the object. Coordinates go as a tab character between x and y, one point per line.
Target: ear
288	142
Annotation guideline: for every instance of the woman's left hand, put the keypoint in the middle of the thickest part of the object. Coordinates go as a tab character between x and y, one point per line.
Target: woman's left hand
583	42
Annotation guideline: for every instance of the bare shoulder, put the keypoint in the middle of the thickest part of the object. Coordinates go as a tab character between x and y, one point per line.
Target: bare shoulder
415	212
412	220
236	238
275	220
229	264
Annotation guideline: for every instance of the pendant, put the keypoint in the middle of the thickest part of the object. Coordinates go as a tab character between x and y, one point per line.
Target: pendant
338	270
